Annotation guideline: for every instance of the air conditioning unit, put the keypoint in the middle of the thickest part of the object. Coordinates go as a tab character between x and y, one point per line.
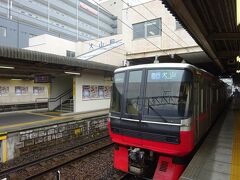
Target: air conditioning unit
125	63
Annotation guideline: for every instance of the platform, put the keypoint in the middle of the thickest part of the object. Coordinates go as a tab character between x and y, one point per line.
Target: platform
11	122
219	156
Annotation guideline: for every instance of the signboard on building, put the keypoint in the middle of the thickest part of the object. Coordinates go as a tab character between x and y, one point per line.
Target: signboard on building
88	8
91	92
42	79
4	90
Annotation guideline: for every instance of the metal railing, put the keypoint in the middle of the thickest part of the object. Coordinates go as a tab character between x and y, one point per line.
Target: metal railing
61	98
68	102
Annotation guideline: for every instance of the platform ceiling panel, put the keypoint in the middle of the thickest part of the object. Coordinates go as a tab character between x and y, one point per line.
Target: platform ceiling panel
214	27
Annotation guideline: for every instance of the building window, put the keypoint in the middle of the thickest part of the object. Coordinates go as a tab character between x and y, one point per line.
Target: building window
147	29
178	25
70	53
138	30
3	31
153	27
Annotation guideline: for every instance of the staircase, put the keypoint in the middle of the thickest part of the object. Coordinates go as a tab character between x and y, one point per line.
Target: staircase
62	103
66	106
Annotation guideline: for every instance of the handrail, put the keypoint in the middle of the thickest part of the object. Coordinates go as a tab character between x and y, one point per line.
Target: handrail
55	99
61	95
71	101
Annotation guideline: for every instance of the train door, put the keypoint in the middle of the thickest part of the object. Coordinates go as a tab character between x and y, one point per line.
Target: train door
206	121
196	107
210	105
1	158
131	116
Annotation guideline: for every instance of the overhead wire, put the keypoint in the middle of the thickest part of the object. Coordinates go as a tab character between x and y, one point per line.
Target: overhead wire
131	28
163	23
131	7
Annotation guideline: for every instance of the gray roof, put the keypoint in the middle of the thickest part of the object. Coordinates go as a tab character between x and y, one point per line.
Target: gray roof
33	56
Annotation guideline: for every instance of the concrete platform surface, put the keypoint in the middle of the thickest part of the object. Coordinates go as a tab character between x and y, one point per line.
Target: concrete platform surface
219	156
11	122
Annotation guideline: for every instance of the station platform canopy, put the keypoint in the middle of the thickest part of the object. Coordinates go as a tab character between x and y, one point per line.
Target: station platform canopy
21	63
213	25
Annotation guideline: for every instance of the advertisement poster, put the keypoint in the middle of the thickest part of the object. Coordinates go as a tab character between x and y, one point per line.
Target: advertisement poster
21	90
38	90
101	91
4	90
86	92
94	92
107	91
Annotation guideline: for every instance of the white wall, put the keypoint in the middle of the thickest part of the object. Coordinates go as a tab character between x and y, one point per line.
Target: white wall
29	97
51	44
81	105
115	7
169	39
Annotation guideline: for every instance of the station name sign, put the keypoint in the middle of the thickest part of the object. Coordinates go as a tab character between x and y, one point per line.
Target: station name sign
42	79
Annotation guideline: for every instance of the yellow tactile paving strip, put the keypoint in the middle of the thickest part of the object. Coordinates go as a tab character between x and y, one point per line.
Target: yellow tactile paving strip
31	123
49	120
235	167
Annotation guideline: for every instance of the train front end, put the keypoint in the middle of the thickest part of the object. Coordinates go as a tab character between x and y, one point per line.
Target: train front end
151	120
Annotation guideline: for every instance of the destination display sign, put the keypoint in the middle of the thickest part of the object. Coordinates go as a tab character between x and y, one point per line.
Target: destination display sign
168	75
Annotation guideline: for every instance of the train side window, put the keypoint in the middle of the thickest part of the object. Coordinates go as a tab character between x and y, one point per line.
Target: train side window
201	100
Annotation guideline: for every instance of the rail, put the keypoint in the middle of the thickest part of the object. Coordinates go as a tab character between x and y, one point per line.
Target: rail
91	131
57	159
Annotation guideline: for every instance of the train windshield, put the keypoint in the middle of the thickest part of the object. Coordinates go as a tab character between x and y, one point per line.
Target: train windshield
161	94
167	94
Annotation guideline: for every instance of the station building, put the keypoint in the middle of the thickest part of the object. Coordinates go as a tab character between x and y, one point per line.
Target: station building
75	20
141	37
84	84
138	34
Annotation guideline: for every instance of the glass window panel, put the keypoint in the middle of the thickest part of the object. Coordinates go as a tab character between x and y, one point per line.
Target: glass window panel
70	53
178	25
133	92
138	30
153	27
3	31
168	94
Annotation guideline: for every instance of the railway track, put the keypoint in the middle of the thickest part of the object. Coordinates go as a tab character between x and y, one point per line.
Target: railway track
50	163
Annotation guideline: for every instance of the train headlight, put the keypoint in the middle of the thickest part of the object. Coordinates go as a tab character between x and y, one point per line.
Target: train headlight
186	122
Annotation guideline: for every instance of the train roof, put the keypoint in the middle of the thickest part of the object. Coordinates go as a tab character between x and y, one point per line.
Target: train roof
159	65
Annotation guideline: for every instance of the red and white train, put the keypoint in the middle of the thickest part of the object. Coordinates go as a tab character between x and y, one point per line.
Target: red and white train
159	113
